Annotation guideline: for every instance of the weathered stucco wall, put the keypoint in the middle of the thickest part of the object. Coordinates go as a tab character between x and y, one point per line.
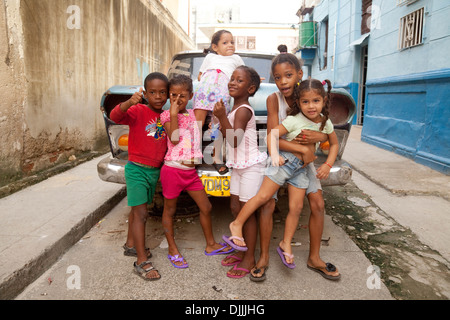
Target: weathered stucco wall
57	59
12	89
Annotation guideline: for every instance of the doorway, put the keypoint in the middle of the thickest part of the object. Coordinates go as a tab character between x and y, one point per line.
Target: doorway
362	85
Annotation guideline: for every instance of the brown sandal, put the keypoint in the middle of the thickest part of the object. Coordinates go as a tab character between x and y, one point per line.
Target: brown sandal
139	269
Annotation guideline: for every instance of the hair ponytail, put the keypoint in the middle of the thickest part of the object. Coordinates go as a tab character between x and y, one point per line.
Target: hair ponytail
327	106
207	50
295	108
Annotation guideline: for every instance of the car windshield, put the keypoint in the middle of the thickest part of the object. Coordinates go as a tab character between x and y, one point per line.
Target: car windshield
190	65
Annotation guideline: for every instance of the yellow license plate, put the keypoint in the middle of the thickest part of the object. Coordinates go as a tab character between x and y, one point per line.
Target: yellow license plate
216	186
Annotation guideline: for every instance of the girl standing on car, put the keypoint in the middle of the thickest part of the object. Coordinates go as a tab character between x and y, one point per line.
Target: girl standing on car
287	72
178	173
243	155
215	73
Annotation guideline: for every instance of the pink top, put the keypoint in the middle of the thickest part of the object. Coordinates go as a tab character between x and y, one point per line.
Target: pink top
189	146
247	153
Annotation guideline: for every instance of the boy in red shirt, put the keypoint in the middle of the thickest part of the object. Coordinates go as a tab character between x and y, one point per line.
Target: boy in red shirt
146	150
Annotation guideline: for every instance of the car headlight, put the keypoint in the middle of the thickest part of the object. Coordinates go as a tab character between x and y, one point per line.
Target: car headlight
325	147
123	142
118	135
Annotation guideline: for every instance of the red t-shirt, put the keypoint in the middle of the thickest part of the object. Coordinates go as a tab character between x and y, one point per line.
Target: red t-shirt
147	142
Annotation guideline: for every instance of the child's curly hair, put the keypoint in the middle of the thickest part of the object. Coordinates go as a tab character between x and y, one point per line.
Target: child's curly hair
255	79
313	84
182	80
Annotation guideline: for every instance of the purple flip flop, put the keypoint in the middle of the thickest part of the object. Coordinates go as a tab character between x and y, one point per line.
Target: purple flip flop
281	253
229	241
219	251
177	258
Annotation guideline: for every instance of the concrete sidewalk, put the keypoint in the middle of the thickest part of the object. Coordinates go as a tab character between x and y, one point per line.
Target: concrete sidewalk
41	222
393	172
414	195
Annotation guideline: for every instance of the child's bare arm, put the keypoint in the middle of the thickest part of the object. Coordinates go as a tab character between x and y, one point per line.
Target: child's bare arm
311	137
305	152
273	140
220	113
324	171
172	125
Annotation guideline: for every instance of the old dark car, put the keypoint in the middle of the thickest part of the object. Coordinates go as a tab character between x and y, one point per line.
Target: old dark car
111	168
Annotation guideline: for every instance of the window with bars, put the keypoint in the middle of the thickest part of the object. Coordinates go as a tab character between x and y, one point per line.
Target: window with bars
411	29
245	43
366	9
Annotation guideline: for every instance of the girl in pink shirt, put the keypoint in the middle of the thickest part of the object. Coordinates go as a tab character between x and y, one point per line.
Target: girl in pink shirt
178	172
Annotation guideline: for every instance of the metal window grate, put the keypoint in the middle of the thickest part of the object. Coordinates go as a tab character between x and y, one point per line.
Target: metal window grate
411	29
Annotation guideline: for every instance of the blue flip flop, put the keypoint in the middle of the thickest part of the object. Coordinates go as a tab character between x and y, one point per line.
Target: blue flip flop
219	251
281	253
229	241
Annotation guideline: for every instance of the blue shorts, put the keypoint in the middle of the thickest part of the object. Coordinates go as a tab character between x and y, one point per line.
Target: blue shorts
291	172
314	182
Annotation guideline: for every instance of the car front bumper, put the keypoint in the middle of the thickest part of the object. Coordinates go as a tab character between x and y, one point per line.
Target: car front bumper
113	170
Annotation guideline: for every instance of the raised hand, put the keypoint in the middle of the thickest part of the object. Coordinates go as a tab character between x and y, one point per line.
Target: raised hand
136	97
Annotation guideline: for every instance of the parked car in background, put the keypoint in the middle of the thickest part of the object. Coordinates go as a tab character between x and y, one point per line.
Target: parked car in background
111	168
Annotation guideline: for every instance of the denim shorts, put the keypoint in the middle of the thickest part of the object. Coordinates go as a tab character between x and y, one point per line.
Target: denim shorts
291	172
314	182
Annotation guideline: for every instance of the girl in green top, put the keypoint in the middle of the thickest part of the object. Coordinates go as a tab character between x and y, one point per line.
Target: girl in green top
309	112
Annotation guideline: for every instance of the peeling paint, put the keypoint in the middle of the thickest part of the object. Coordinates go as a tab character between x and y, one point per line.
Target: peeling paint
54	76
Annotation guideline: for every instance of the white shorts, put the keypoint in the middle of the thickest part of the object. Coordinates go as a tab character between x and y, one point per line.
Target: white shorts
245	183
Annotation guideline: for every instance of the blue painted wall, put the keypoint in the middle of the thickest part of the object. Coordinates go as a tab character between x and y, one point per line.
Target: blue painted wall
343	61
408	101
407	106
410	115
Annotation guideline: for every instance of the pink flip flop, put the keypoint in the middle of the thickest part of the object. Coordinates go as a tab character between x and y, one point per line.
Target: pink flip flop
235	268
238	260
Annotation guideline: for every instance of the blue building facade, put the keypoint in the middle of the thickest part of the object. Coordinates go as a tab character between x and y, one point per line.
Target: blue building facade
392	57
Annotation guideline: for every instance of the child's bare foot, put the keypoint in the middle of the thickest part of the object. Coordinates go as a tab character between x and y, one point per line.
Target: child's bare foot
236	231
287	252
258	272
146	271
177	260
326	270
218	248
233	259
240	270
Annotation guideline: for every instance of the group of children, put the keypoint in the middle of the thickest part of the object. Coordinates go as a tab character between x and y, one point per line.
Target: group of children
167	145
